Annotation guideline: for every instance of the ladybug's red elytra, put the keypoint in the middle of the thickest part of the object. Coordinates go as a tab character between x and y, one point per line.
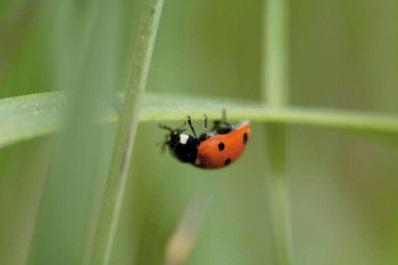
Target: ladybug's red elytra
215	148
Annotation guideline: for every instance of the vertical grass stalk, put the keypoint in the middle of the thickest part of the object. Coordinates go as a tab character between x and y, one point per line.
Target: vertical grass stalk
278	191
275	76
123	148
275	82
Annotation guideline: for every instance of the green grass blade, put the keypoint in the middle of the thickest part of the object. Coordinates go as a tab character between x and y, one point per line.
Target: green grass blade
275	82
275	86
84	65
27	117
122	152
278	191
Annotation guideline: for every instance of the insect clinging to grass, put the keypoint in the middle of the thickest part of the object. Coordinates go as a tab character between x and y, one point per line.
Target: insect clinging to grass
214	148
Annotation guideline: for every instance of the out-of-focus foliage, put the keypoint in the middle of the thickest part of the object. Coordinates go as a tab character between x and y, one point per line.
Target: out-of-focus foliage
344	186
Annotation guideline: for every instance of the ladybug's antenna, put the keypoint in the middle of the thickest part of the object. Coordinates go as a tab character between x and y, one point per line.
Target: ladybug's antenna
165	127
162	146
191	126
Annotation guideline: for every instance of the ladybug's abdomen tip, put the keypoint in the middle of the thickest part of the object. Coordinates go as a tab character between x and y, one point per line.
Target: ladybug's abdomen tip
210	165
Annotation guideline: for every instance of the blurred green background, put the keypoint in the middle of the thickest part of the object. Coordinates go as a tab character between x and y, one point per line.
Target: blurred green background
343	54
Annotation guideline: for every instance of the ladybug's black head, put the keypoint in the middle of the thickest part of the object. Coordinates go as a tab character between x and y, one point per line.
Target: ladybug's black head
182	146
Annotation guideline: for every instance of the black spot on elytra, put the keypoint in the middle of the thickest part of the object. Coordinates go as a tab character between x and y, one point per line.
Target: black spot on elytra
226	162
221	146
245	138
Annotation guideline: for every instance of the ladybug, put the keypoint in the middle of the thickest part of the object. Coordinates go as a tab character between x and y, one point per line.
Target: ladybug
215	148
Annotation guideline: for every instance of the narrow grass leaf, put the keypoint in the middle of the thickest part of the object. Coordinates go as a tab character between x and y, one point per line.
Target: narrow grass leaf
275	86
123	148
27	117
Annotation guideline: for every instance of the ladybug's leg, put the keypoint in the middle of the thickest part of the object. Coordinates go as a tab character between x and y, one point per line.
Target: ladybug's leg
224	115
222	126
224	121
206	128
191	126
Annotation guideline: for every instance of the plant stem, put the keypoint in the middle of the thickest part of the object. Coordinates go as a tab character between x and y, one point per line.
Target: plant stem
275	82
123	148
31	116
278	190
275	94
